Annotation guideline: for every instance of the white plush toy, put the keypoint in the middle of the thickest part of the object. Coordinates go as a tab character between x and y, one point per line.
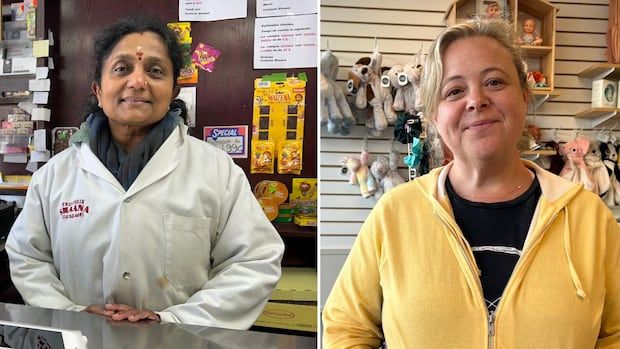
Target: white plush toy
335	110
384	170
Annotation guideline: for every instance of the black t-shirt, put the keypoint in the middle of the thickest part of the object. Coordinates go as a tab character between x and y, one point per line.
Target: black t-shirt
496	233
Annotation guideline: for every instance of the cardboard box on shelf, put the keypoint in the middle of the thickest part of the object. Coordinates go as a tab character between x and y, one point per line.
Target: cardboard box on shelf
292	305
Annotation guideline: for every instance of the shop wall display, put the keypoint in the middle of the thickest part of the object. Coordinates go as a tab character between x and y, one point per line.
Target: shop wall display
349	29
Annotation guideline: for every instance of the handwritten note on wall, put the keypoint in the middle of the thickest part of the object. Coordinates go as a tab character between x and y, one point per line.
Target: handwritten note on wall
285	42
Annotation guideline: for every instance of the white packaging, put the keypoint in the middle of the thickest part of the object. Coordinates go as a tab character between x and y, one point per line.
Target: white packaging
604	93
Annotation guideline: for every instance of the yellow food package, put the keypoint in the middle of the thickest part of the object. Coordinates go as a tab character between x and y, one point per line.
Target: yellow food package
289	157
262	157
182	30
304	195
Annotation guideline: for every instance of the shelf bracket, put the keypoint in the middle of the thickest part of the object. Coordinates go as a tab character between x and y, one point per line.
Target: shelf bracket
540	100
595	122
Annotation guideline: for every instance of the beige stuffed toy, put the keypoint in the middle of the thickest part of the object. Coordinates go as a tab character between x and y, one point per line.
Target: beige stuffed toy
365	82
335	110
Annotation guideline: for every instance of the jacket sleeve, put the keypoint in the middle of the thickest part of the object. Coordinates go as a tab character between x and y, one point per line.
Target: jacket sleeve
245	256
352	312
609	336
30	254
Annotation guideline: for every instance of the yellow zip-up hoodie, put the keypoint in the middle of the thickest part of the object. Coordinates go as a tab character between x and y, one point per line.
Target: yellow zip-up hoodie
411	279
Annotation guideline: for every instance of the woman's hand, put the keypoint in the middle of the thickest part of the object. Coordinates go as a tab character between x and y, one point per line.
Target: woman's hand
119	312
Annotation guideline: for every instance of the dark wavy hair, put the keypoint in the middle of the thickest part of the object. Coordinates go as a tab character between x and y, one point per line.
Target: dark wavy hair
107	40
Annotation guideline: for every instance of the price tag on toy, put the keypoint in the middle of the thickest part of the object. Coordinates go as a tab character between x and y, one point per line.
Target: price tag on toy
231	139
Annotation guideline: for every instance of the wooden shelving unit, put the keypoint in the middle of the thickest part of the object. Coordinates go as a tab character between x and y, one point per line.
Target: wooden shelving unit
539	58
597	116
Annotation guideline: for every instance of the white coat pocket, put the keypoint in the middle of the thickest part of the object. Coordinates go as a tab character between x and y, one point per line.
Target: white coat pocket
188	250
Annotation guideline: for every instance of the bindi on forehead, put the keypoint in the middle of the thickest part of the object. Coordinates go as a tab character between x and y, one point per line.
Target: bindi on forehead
139	52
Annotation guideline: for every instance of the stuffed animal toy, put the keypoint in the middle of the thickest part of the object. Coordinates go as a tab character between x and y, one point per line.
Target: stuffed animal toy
575	168
359	76
335	110
600	177
359	173
610	158
536	79
414	73
386	86
397	80
385	172
404	99
365	82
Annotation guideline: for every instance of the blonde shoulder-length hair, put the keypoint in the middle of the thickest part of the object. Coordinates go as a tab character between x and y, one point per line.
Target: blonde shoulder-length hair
499	30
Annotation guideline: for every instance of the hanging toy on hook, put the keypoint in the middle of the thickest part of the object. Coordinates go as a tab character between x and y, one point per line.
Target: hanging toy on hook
359	173
335	110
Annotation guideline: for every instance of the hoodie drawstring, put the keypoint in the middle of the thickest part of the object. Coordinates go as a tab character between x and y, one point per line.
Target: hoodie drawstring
571	268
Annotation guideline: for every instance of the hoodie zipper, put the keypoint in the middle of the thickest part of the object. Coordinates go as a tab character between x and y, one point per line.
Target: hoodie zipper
491	328
490	315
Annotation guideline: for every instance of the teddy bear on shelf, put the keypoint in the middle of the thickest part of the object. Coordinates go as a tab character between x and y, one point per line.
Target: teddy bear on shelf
335	110
365	82
384	170
359	173
575	168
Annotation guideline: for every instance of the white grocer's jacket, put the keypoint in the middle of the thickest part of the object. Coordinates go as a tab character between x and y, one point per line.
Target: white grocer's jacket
187	240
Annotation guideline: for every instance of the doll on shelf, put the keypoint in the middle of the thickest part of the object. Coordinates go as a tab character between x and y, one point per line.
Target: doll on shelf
529	35
492	10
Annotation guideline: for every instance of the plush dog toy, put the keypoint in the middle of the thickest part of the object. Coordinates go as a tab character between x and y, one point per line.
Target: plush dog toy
365	82
384	170
335	110
413	72
575	168
359	173
404	98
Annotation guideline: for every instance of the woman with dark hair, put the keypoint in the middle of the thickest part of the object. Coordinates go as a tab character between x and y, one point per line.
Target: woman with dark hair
137	220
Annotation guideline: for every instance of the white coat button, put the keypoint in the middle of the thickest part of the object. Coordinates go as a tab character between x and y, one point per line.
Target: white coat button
127	199
126	275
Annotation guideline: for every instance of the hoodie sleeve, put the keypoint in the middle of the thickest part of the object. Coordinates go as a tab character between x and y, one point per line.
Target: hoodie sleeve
609	336
352	312
30	253
245	261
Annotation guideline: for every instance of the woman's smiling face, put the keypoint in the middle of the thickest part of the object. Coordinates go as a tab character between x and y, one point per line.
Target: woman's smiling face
137	81
482	107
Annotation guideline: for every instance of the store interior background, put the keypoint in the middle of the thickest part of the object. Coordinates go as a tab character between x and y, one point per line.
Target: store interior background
400	27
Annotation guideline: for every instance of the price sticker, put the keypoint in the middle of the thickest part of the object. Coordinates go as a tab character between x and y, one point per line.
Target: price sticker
231	139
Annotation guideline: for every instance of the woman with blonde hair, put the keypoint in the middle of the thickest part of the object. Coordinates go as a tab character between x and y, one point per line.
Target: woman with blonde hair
489	251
